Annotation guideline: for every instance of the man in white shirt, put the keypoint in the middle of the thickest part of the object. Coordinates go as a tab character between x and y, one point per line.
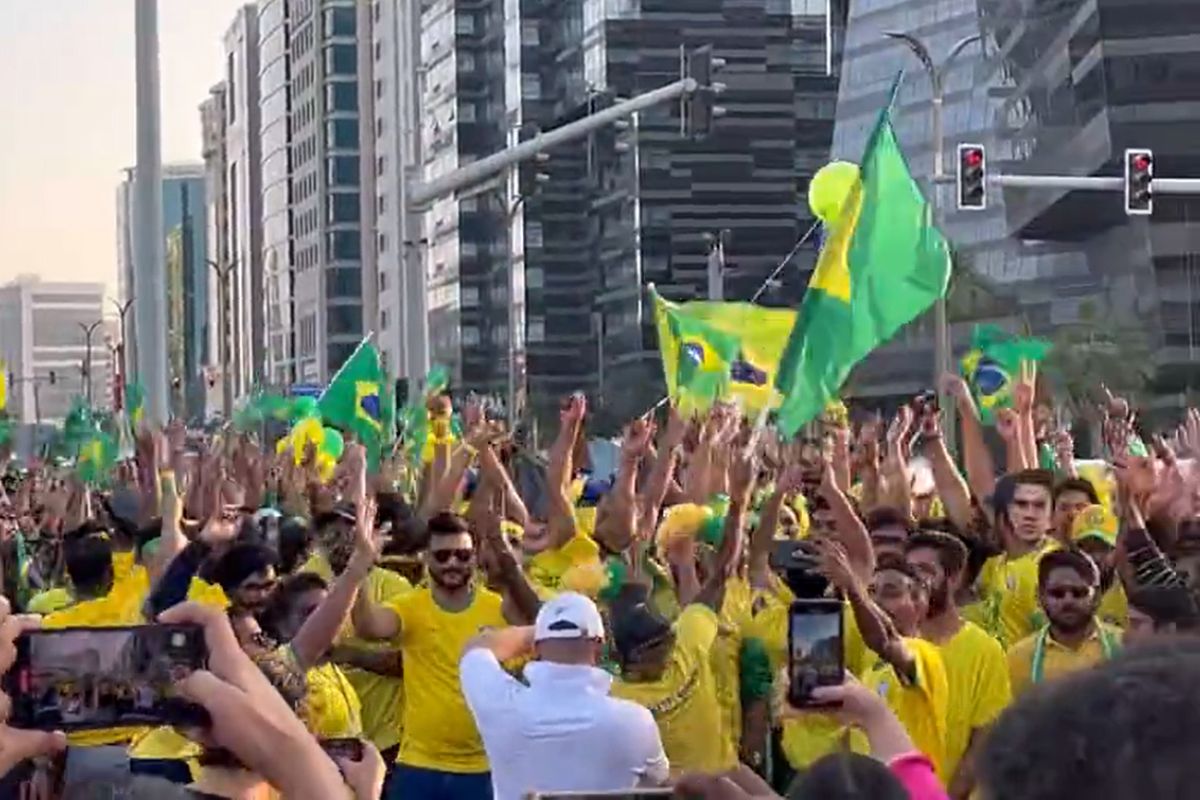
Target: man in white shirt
562	732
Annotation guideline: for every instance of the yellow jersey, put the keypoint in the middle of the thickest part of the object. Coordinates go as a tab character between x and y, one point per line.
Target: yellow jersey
684	699
548	568
977	673
1040	657
381	696
49	601
726	662
439	731
1008	595
1114	606
921	706
332	709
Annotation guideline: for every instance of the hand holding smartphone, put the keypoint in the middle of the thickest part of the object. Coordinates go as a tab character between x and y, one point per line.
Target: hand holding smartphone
816	649
84	678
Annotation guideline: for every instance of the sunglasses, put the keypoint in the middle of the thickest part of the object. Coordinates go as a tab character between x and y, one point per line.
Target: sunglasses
462	555
1074	592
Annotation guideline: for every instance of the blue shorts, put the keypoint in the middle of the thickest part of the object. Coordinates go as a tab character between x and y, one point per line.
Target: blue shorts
411	783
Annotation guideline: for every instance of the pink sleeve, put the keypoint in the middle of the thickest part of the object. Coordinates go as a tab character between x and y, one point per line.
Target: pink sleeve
915	771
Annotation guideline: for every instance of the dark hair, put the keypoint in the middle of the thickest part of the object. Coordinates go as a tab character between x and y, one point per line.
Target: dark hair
409	534
295	541
885	516
240	562
1071	559
89	563
1081	485
1167	605
447	524
952	553
279	606
894	563
1124	728
847	776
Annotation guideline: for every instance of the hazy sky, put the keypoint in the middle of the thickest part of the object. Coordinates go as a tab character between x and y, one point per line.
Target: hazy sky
67	126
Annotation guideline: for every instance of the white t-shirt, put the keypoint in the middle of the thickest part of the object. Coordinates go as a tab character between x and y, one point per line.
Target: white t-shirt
562	732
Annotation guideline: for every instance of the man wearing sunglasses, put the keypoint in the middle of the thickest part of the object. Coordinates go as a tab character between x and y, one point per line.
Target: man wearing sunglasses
1074	638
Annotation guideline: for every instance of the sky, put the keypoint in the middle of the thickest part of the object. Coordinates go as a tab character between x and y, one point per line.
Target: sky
69	124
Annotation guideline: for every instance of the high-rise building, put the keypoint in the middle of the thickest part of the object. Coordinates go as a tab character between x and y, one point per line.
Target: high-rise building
184	222
327	292
275	142
242	253
213	132
548	272
45	330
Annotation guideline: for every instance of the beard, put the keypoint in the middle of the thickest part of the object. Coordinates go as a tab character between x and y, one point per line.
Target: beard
1071	622
939	599
450	578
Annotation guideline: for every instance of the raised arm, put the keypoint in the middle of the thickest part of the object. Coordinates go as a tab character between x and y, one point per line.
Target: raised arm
742	474
977	459
947	480
560	470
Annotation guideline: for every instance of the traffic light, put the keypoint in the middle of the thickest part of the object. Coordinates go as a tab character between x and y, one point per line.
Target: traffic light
53	377
1139	182
531	173
972	177
699	108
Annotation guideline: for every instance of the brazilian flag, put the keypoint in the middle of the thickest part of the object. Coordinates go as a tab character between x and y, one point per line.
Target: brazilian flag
353	401
883	264
992	365
698	358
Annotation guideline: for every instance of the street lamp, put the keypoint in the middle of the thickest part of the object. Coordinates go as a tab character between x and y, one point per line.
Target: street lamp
123	336
936	73
223	275
88	330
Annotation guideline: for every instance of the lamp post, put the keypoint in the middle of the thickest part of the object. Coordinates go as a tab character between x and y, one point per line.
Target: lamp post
122	337
937	74
223	328
88	330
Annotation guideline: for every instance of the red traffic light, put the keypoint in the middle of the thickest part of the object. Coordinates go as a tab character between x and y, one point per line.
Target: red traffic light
972	157
1142	162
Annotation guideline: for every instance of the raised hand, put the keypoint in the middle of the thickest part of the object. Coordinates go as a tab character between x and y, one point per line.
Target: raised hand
1025	389
1007	424
636	438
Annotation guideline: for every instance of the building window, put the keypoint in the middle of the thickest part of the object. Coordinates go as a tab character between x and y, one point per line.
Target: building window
341	59
535	277
341	133
500	335
379	127
380	165
383	243
378	46
231	88
343	170
464	23
531	86
383	320
469	297
470	336
535	329
344	208
381	204
341	21
337	353
344	320
344	246
383	280
341	96
343	282
533	234
466	112
379	88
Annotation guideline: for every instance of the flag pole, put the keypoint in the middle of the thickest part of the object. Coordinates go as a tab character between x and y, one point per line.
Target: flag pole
365	341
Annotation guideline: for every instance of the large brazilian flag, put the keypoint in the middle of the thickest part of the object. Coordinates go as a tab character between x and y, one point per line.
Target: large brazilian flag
884	262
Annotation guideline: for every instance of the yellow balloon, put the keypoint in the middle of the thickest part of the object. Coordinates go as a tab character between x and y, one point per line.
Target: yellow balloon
829	188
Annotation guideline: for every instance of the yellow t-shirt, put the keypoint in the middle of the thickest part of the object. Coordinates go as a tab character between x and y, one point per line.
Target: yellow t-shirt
922	705
726	662
104	612
331	708
1059	660
684	699
166	743
49	601
1008	594
978	677
439	731
547	568
382	696
1114	606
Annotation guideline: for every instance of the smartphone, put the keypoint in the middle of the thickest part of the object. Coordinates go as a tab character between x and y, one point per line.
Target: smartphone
81	678
348	748
816	651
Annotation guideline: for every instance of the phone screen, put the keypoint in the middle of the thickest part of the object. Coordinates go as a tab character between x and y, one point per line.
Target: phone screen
80	678
350	749
815	649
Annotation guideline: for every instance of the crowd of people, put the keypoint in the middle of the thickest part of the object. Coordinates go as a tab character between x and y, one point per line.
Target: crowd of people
493	623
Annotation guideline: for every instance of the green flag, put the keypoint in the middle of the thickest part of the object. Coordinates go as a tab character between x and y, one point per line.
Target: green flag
697	357
353	401
991	366
884	262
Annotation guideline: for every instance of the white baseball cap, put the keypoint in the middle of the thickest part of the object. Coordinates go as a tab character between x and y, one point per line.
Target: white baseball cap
570	615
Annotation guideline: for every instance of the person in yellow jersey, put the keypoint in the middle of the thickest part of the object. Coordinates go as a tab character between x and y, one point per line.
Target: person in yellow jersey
976	670
1007	584
908	672
668	668
89	561
441	754
1071	497
1094	531
1073	638
307	613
